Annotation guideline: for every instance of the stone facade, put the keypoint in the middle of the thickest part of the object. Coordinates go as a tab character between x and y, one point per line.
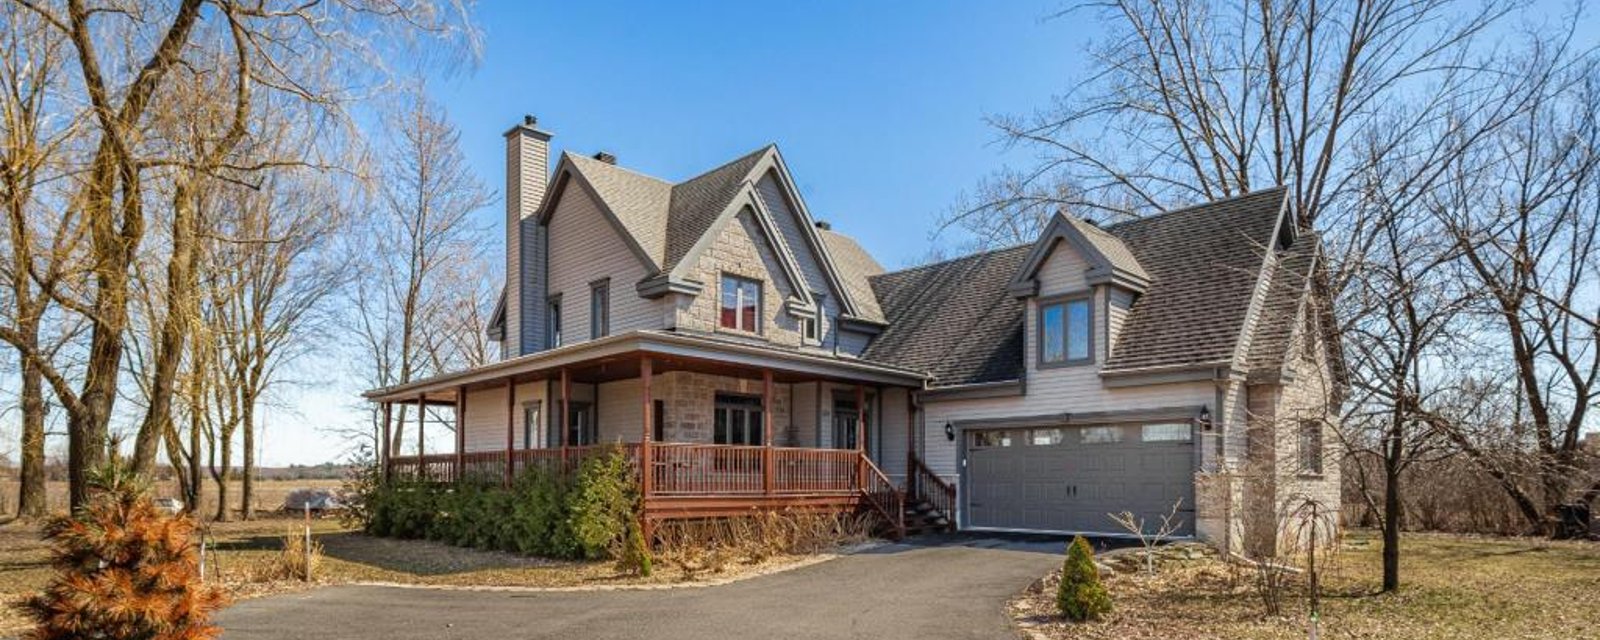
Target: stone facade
741	249
689	400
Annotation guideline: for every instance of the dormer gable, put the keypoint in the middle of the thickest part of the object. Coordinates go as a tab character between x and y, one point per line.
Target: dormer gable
1108	259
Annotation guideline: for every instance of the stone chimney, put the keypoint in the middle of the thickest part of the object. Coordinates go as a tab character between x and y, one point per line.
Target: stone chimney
527	177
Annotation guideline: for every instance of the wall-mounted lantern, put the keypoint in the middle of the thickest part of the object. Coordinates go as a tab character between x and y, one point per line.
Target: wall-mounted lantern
949	432
1204	419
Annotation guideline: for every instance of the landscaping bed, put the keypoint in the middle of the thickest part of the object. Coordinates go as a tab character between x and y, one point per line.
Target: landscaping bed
1452	587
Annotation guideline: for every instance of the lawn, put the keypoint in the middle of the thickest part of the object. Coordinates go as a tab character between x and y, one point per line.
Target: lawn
1452	587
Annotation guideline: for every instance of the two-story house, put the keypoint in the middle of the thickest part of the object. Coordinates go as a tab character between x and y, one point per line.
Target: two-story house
750	356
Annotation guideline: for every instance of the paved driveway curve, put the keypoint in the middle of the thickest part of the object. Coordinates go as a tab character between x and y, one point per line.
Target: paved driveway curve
953	590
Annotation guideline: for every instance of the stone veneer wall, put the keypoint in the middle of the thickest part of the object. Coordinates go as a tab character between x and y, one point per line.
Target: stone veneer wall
740	250
689	400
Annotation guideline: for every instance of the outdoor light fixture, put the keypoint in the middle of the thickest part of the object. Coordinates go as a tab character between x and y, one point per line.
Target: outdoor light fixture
1204	419
949	431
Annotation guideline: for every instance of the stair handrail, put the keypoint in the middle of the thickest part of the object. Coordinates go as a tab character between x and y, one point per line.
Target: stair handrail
880	493
925	485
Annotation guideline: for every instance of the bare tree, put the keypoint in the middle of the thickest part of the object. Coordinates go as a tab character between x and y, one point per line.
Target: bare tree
37	252
1189	100
420	303
1526	222
314	55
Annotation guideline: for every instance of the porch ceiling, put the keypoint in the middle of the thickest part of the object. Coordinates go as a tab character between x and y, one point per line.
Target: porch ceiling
618	358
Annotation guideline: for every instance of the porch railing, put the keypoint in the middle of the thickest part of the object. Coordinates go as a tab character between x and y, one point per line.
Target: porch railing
681	469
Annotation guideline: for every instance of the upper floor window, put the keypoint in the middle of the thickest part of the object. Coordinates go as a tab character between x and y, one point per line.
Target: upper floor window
553	321
1066	330
599	308
741	304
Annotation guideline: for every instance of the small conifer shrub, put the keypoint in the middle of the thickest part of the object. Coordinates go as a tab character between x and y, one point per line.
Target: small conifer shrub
123	570
1081	597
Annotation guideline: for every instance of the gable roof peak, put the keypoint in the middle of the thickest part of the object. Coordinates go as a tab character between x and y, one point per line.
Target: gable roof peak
1110	260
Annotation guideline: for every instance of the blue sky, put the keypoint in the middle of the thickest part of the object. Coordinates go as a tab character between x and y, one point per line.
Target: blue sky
877	108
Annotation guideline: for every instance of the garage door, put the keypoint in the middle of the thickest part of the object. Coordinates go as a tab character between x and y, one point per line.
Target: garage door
1067	479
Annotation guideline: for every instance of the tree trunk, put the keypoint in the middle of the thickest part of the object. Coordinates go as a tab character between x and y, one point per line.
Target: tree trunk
181	283
31	499
221	476
1391	528
247	490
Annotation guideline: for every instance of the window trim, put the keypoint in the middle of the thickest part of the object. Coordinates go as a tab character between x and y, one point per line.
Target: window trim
552	321
745	403
600	308
532	414
722	287
1064	301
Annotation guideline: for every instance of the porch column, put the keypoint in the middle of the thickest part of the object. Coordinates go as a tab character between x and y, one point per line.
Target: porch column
766	431
861	435
646	469
461	431
911	436
566	414
383	445
422	420
511	430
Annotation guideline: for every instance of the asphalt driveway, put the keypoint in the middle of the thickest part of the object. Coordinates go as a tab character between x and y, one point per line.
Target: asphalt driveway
953	589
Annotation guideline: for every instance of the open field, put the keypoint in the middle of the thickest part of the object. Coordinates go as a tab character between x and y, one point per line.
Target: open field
269	494
1452	587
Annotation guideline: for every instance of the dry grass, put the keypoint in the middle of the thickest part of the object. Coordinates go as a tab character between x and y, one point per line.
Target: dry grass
269	494
1453	587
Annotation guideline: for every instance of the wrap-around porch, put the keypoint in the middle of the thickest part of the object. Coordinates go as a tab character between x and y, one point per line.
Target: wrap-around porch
720	433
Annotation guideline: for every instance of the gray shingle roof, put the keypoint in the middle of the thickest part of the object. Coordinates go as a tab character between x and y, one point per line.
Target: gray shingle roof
954	319
1112	247
855	267
696	202
1269	346
1204	264
639	201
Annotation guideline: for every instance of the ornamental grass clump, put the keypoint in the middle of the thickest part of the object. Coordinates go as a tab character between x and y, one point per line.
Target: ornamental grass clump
1081	597
123	570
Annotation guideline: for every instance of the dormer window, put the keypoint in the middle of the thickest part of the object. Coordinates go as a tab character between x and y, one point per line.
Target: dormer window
1066	330
741	304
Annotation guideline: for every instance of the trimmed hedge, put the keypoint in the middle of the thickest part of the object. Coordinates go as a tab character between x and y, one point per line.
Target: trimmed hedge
543	514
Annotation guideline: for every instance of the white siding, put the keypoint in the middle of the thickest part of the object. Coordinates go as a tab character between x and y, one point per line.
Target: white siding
621	409
585	247
486	417
805	414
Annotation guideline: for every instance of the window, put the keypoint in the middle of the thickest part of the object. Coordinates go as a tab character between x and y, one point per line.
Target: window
991	439
1101	435
741	304
808	329
1311	447
1172	432
737	420
847	426
659	415
530	423
599	309
1045	437
553	321
1066	330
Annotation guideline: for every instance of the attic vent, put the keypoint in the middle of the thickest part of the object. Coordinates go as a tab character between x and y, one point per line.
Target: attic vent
824	225
605	157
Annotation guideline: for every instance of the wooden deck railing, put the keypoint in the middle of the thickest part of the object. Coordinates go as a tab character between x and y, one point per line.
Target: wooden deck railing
690	471
922	484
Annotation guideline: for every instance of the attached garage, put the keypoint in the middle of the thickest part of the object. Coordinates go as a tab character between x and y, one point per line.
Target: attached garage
1067	479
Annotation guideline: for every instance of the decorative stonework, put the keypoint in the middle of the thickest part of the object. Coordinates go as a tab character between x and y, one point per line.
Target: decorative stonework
740	250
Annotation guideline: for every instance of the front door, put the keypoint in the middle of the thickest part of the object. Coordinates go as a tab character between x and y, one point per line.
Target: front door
846	424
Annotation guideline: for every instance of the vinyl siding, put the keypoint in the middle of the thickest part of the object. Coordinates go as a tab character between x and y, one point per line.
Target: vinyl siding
585	247
486	417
